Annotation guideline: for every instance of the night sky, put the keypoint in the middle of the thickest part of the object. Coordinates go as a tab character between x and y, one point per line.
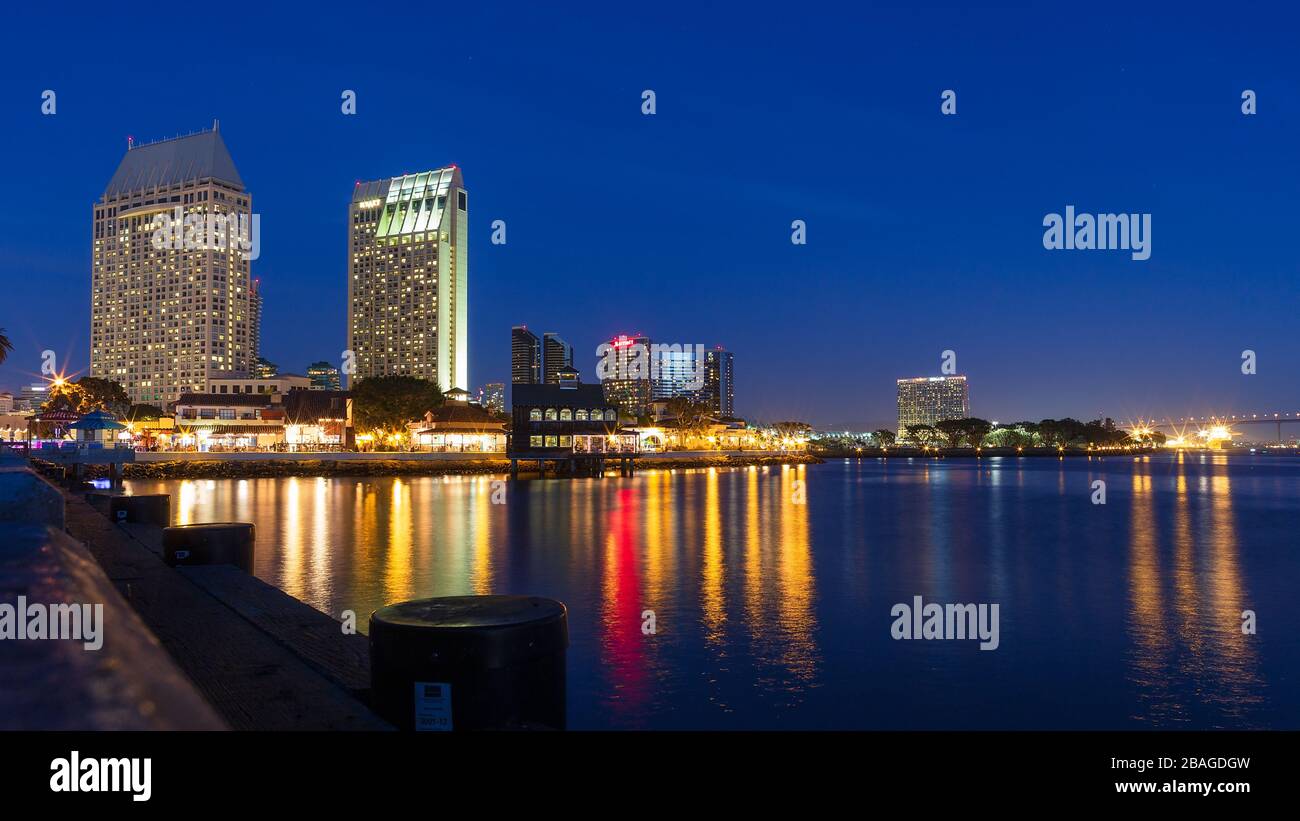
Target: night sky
924	231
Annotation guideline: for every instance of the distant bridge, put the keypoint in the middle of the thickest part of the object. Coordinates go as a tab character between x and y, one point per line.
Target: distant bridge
1183	424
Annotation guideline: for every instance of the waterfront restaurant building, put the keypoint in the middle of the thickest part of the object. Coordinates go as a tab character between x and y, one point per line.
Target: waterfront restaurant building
459	426
301	419
564	420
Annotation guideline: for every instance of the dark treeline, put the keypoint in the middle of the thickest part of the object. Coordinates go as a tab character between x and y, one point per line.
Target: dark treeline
980	433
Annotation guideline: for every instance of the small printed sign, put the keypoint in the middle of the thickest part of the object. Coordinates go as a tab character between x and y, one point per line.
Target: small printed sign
432	707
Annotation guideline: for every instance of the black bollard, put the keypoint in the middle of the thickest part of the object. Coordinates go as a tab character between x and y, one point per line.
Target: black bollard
210	543
470	663
151	508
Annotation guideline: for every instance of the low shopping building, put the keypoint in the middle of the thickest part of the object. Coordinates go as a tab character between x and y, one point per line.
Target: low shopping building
459	426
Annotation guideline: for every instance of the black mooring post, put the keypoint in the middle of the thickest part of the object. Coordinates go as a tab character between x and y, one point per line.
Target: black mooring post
470	663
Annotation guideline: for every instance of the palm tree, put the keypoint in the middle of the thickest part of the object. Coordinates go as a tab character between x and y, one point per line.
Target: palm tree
5	346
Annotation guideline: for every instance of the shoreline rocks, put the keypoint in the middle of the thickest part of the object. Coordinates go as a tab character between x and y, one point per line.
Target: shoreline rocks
284	468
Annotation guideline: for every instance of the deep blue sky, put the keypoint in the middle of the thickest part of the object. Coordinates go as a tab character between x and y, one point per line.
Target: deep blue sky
924	231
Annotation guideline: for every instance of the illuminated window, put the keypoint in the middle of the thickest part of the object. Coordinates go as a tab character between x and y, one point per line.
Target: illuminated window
581	416
566	441
535	441
550	414
566	415
551	441
535	415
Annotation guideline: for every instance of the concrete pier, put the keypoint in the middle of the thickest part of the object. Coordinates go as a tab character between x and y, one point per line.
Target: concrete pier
128	683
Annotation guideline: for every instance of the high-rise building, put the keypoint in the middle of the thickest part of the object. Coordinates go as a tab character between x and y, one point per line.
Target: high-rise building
719	383
556	354
170	304
492	396
32	396
678	371
408	270
323	376
525	356
264	368
625	374
255	320
926	400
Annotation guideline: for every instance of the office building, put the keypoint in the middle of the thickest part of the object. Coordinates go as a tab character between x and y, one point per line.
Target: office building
556	354
239	383
492	397
170	304
323	376
678	371
525	356
408	269
255	321
625	373
719	381
926	400
32	396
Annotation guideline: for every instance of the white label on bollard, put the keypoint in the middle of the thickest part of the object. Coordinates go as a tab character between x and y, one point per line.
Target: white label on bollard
432	706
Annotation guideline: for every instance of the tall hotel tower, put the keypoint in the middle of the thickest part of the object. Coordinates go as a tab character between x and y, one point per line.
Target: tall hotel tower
164	316
925	400
408	266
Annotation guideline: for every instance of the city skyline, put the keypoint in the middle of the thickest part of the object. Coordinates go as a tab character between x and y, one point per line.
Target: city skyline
1043	333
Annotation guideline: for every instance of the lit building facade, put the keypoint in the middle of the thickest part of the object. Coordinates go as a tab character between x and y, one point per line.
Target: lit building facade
167	311
556	354
323	376
625	374
719	381
492	397
408	269
926	400
678	371
255	321
565	418
525	356
239	383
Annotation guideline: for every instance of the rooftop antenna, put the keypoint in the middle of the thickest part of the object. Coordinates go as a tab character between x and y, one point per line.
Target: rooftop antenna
130	142
215	123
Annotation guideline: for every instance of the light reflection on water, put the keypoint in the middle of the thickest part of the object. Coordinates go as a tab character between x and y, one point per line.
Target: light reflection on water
771	587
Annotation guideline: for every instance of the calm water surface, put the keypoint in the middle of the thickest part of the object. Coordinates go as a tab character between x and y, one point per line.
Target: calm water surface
772	587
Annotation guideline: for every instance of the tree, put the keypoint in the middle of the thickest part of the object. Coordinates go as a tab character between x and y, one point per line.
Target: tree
952	431
921	435
103	394
5	346
1060	433
1031	430
144	413
1104	433
692	418
67	396
884	437
1008	436
385	404
974	430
